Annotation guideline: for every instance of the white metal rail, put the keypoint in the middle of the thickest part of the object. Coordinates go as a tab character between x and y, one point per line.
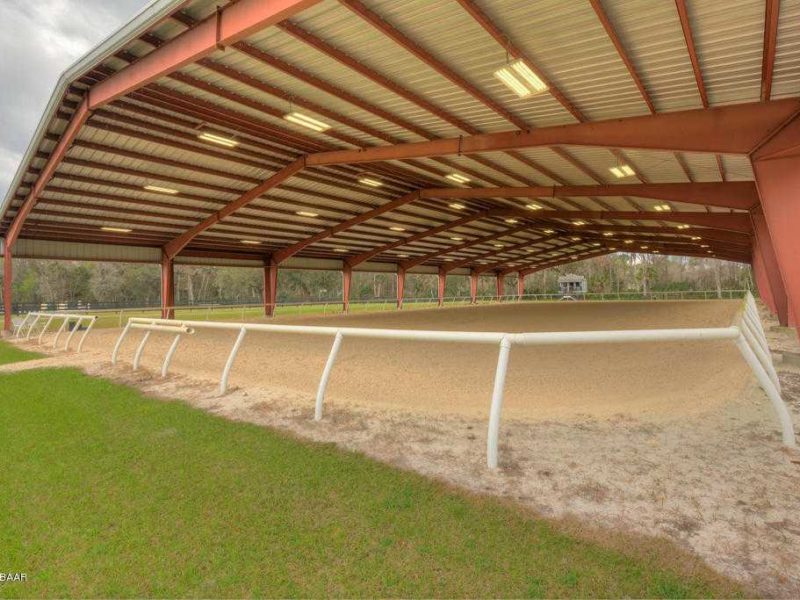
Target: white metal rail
746	332
33	318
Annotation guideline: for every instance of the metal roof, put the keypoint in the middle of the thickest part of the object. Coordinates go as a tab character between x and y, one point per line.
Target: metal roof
383	73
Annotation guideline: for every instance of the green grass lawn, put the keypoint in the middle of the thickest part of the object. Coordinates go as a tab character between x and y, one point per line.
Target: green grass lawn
9	353
108	493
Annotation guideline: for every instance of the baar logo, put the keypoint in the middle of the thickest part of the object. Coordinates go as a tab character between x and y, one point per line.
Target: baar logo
13	577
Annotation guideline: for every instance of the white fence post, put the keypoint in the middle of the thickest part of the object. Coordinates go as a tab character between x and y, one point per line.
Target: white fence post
117	346
496	409
223	383
326	373
137	357
85	333
170	353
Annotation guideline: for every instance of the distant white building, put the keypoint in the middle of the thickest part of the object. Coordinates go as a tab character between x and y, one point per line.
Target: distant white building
570	284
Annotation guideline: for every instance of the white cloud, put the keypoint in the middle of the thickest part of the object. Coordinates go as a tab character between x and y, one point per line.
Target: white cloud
40	40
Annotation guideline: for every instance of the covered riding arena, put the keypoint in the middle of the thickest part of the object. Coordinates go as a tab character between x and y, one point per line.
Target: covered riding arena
458	138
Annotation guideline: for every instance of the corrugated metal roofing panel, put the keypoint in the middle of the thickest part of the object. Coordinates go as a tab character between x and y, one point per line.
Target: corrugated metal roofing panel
653	38
729	37
786	75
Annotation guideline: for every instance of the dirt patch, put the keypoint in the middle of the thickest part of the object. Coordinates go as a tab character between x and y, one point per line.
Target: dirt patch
674	441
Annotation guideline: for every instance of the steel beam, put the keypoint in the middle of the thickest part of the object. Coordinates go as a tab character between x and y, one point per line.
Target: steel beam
230	24
270	290
347	280
180	242
734	129
401	286
167	287
738	195
770	44
441	282
8	276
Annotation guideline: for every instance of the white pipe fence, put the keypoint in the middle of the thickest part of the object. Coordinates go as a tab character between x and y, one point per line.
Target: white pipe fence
66	318
747	333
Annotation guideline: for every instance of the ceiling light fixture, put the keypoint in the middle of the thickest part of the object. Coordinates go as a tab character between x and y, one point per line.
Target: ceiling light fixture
457	206
499	245
117	229
533	206
457	238
396	228
662	207
306	213
548	231
370	181
608	233
520	79
512	221
457	177
299	118
696	238
683	226
579	223
160	190
340	250
251	242
622	171
207	136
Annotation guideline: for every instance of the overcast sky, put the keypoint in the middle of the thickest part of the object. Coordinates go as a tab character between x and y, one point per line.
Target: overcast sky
40	39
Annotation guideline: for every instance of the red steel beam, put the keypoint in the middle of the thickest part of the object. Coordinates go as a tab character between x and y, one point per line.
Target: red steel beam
78	119
683	15
176	245
418	260
772	11
290	251
735	129
229	25
364	256
740	195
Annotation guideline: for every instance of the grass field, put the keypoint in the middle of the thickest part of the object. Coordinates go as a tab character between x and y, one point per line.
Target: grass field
109	493
11	354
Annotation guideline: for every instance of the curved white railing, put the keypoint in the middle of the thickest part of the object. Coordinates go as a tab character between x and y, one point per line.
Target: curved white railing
747	333
33	318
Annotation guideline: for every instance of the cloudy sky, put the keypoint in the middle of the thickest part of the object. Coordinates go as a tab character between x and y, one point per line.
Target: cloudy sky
40	39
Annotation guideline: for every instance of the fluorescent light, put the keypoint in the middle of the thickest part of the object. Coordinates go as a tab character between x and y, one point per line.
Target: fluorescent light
520	79
340	250
696	238
402	255
457	206
628	241
608	233
160	190
218	139
656	251
533	206
704	245
622	171
684	226
613	248
371	182
306	121
511	221
395	228
579	223
457	239
251	242
596	244
117	229
457	177
575	239
645	247
662	207
548	231
499	245
306	213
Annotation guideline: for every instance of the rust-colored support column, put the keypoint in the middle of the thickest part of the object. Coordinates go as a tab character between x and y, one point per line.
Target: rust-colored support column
762	283
442	282
347	278
776	164
401	286
270	286
8	275
772	271
520	285
167	287
500	288
473	286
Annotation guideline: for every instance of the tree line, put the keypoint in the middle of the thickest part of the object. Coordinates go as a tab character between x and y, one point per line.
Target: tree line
124	284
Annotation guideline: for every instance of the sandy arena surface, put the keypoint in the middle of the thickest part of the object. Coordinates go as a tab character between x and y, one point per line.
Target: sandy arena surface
661	439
